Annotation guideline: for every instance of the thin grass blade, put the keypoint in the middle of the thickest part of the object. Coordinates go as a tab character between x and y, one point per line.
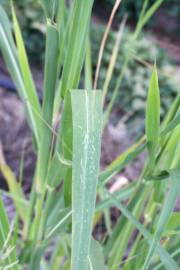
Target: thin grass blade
171	125
121	195
165	215
137	31
144	19
104	39
123	160
26	72
167	260
14	187
88	67
113	58
6	242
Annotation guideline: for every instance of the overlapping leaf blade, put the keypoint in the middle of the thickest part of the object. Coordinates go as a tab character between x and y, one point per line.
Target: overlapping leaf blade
165	214
123	160
6	242
78	32
96	258
167	260
51	64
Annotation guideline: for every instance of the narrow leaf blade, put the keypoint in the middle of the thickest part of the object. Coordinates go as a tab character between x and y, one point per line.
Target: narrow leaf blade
25	70
153	116
165	214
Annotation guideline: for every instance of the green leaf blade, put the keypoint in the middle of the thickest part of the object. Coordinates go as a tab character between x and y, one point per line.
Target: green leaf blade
78	32
50	78
26	72
153	116
87	125
96	258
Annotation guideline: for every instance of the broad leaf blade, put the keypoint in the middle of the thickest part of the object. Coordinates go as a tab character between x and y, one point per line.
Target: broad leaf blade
87	122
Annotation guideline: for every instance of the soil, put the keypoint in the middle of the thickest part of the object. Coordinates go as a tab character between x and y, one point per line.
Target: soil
15	136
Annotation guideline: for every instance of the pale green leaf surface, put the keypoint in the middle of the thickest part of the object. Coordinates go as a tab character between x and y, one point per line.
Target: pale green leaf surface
87	121
174	221
96	258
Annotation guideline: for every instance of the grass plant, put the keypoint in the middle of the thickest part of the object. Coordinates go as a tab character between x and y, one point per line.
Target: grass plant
52	227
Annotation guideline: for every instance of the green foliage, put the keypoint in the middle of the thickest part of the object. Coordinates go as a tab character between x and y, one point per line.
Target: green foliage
31	20
53	226
132	93
7	251
133	8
